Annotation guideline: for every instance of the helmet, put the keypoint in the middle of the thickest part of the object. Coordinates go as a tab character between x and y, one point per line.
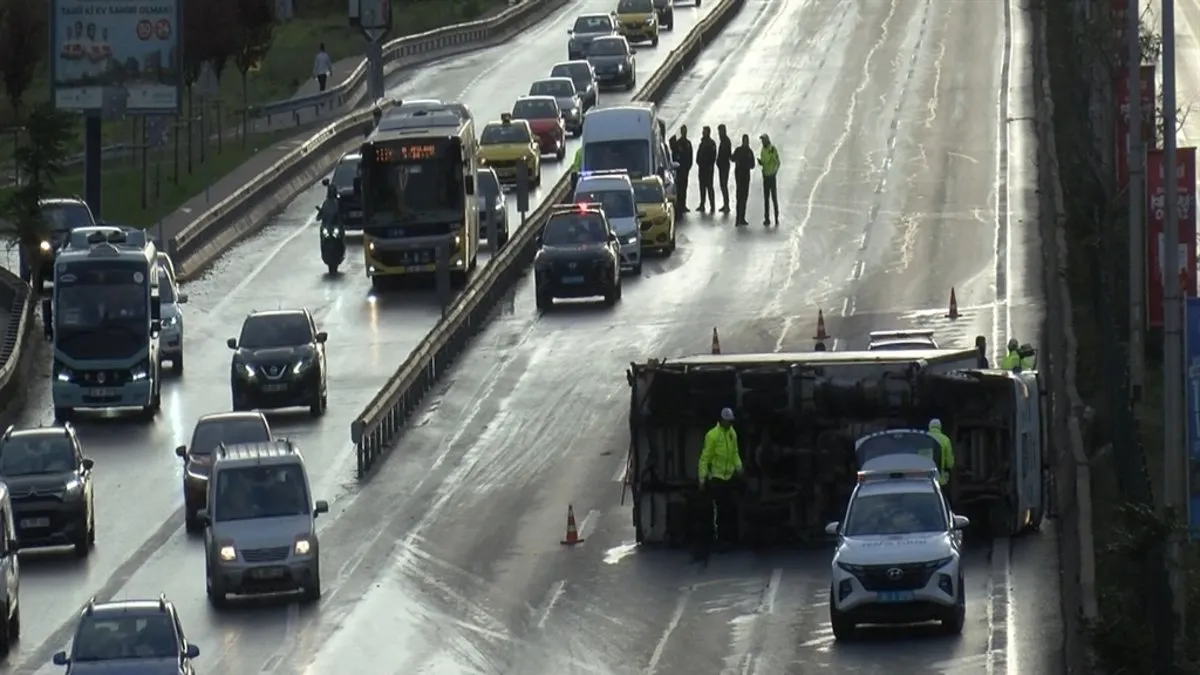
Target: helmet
935	424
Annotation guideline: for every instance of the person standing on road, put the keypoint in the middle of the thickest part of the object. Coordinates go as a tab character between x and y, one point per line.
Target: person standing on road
720	464
724	156
769	161
322	67
743	164
683	155
706	160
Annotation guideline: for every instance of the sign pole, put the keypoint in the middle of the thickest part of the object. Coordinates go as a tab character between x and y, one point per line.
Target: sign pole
374	17
1137	206
92	171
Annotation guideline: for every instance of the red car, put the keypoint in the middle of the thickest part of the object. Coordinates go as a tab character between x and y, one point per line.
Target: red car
546	120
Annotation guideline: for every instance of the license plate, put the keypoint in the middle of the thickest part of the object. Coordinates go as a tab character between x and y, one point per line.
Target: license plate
100	392
895	596
572	280
35	522
270	388
267	573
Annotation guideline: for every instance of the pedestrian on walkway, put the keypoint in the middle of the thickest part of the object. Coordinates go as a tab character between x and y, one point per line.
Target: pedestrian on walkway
322	67
724	156
743	164
706	160
769	160
683	155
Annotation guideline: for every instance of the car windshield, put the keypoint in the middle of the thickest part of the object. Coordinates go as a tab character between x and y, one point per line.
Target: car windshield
494	134
535	109
576	229
616	203
276	330
64	216
211	433
31	456
625	155
649	193
245	493
559	88
126	636
345	173
634	6
593	24
616	47
580	74
895	513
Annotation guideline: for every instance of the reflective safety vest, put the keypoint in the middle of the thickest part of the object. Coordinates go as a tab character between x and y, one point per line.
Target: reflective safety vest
1012	361
945	463
720	458
577	163
770	160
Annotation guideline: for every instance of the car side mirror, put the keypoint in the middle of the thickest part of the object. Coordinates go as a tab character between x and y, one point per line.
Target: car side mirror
202	516
832	529
181	452
961	522
88	463
322	336
675	165
633	52
469	185
192	651
325	182
60	659
537	239
612	237
231	343
320	507
570	31
183	298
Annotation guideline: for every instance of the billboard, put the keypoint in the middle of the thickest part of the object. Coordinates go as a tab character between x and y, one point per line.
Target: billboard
1149	119
116	55
1191	355
375	18
1156	181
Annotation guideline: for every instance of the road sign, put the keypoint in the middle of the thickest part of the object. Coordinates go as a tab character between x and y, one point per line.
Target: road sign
1192	378
375	18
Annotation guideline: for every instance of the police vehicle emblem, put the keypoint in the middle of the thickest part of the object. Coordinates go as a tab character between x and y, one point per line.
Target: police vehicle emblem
101	378
274	370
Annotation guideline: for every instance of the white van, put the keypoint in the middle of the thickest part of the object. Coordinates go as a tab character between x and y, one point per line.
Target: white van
613	191
10	576
627	137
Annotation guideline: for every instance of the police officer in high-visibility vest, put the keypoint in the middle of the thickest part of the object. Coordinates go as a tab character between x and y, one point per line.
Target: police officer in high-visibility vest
945	459
768	159
1013	360
720	464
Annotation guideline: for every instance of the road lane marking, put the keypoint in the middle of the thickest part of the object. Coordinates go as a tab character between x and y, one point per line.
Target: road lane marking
998	602
676	618
285	645
556	592
745	646
589	523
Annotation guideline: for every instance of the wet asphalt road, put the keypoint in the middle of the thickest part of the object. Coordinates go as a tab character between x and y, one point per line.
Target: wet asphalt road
896	166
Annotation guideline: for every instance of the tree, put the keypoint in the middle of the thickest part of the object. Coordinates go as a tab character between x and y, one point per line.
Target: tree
254	30
41	160
23	39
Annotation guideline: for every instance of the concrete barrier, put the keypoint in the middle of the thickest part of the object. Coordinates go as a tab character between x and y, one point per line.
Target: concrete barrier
374	429
19	299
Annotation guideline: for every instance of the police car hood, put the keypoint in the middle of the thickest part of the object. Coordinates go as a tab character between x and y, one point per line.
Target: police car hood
894	549
166	666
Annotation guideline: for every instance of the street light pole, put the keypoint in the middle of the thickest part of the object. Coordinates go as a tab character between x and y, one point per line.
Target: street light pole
1137	206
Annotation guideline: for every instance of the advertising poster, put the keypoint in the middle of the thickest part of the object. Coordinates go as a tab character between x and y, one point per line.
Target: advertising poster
118	55
1149	119
1191	346
1156	181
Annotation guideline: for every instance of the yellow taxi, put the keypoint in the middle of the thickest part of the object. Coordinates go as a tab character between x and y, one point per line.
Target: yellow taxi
656	215
637	20
505	144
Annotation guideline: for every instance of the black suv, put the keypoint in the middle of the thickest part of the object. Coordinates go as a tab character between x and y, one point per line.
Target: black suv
61	215
50	485
129	636
210	432
578	256
614	62
340	189
279	362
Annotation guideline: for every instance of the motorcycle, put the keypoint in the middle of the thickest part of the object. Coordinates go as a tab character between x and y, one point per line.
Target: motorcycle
333	243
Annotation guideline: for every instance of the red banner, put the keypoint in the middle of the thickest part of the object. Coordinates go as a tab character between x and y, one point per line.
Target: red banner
1185	176
1119	8
1149	119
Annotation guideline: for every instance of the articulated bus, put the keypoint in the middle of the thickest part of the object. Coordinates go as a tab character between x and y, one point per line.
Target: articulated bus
418	185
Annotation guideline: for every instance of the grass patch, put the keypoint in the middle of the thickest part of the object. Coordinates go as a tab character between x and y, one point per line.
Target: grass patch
287	66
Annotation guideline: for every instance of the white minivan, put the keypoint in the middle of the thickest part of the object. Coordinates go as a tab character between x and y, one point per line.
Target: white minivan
628	137
613	191
10	576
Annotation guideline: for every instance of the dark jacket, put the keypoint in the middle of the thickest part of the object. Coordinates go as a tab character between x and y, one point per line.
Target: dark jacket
743	161
724	152
706	153
683	153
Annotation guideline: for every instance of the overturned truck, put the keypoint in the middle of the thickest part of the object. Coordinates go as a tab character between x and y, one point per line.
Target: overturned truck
799	417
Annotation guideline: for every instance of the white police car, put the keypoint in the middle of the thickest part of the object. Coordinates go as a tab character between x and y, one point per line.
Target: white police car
900	340
898	556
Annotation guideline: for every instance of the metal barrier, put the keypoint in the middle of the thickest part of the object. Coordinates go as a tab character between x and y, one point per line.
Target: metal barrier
384	417
21	302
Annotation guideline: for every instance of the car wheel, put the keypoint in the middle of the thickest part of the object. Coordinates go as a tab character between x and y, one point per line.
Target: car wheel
191	522
954	621
670	246
14	625
312	592
637	268
216	593
562	151
92	525
843	626
317	407
5	632
502	238
82	549
544	300
177	364
654	42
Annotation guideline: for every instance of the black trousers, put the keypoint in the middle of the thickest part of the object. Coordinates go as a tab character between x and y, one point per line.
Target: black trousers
718	515
770	197
742	190
706	187
681	188
321	81
723	179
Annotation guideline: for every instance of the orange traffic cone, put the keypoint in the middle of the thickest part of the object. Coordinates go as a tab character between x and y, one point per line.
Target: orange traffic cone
572	532
821	335
953	313
716	342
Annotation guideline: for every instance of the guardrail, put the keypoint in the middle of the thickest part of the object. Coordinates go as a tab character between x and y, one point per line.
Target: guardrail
373	430
18	297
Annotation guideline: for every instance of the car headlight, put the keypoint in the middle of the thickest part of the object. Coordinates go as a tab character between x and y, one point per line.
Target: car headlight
302	547
498	206
573	112
170	321
73	489
63	373
483	161
650	22
45	246
852	569
140	372
228	553
941	562
620	67
631	239
301	366
245	370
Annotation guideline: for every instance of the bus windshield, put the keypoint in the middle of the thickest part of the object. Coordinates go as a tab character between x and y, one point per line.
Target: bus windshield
406	186
101	310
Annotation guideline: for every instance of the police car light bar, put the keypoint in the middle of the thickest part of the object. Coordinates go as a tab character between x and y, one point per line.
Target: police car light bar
604	172
868	476
890	334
